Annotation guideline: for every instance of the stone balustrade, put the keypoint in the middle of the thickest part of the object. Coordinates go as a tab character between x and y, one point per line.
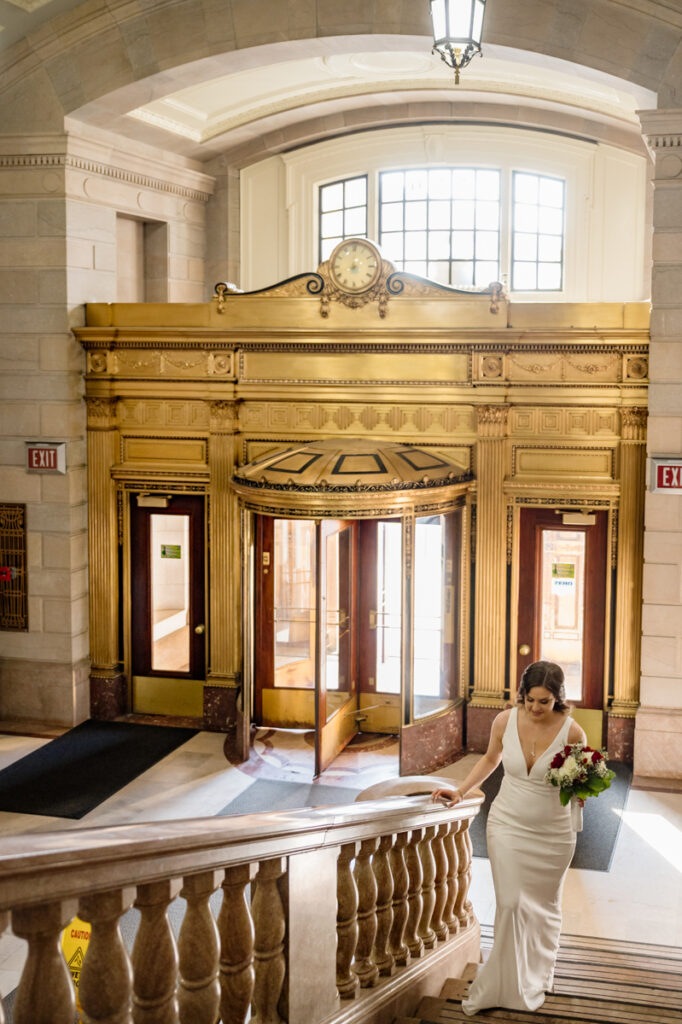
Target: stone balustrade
325	914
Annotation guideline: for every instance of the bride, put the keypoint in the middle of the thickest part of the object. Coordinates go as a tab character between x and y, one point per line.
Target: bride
530	842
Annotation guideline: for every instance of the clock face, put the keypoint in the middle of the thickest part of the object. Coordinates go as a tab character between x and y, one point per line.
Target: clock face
354	265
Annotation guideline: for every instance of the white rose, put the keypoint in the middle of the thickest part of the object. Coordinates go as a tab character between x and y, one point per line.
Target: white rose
570	765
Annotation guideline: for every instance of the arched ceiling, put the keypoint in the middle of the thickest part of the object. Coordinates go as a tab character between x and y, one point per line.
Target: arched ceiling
201	76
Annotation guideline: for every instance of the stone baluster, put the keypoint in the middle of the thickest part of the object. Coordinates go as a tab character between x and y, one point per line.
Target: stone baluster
45	994
364	966
425	929
155	956
463	907
449	914
346	922
106	982
235	927
396	941
441	883
270	931
384	879
414	893
198	952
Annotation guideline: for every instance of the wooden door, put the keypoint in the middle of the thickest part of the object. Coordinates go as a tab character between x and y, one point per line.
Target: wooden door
168	631
562	600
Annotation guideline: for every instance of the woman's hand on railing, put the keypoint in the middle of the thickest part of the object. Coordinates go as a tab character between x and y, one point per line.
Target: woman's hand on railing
449	797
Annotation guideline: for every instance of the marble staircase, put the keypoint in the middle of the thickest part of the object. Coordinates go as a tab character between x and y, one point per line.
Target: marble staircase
596	982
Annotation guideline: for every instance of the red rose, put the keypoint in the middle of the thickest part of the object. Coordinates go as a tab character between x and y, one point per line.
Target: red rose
597	757
567	749
558	760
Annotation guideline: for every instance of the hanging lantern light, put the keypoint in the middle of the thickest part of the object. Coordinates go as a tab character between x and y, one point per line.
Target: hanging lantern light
457	31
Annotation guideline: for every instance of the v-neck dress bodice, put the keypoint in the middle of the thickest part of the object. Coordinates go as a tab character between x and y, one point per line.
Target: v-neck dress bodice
525	800
530	846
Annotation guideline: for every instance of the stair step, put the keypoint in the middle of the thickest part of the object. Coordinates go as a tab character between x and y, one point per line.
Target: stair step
557	1009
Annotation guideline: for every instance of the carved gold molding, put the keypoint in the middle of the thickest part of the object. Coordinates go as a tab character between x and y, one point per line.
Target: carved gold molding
492	420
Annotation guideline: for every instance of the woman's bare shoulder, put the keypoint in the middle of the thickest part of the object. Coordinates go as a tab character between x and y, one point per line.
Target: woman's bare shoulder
500	721
576	734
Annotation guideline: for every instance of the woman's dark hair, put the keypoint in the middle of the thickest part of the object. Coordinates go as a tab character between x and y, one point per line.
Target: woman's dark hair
547	674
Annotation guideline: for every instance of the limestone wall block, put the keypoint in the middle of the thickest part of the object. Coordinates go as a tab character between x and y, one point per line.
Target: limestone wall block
666	324
660	692
90	221
52	286
18	485
665	362
52	217
39	386
61	352
665	399
43	252
19	353
50	583
18	286
40	689
62	419
662	547
185	291
35	614
41	646
662	620
80	253
667	210
34	549
56	616
34	319
49	516
664	434
80	650
662	584
56	551
69	487
79	550
662	512
18	219
667	246
19	419
666	282
86	283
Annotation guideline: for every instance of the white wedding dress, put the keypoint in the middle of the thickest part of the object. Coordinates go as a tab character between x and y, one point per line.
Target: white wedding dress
530	845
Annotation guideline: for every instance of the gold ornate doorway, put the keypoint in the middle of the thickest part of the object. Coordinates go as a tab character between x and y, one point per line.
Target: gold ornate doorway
357	610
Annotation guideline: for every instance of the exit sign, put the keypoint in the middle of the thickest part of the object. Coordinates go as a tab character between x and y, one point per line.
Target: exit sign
45	457
666	475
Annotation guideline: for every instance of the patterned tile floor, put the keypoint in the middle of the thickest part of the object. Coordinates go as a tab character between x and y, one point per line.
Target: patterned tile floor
639	899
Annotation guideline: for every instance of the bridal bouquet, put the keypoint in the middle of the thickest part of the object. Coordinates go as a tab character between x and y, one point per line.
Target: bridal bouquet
579	771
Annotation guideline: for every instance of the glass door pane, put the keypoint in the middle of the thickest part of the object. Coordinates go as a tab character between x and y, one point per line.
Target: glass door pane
433	615
337	612
294	603
563	605
170	592
388	605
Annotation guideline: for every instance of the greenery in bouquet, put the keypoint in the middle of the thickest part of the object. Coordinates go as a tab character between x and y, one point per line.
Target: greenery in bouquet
579	771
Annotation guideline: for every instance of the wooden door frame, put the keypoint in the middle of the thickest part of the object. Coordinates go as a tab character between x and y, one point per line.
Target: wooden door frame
531	523
140	586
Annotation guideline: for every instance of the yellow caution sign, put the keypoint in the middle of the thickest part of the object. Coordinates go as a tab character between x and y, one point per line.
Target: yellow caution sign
75	940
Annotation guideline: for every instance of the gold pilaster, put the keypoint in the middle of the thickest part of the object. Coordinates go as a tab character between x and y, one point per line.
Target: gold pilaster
491	558
224	592
629	563
103	534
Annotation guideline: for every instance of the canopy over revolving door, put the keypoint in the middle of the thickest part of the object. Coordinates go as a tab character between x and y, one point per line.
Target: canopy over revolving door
354	576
